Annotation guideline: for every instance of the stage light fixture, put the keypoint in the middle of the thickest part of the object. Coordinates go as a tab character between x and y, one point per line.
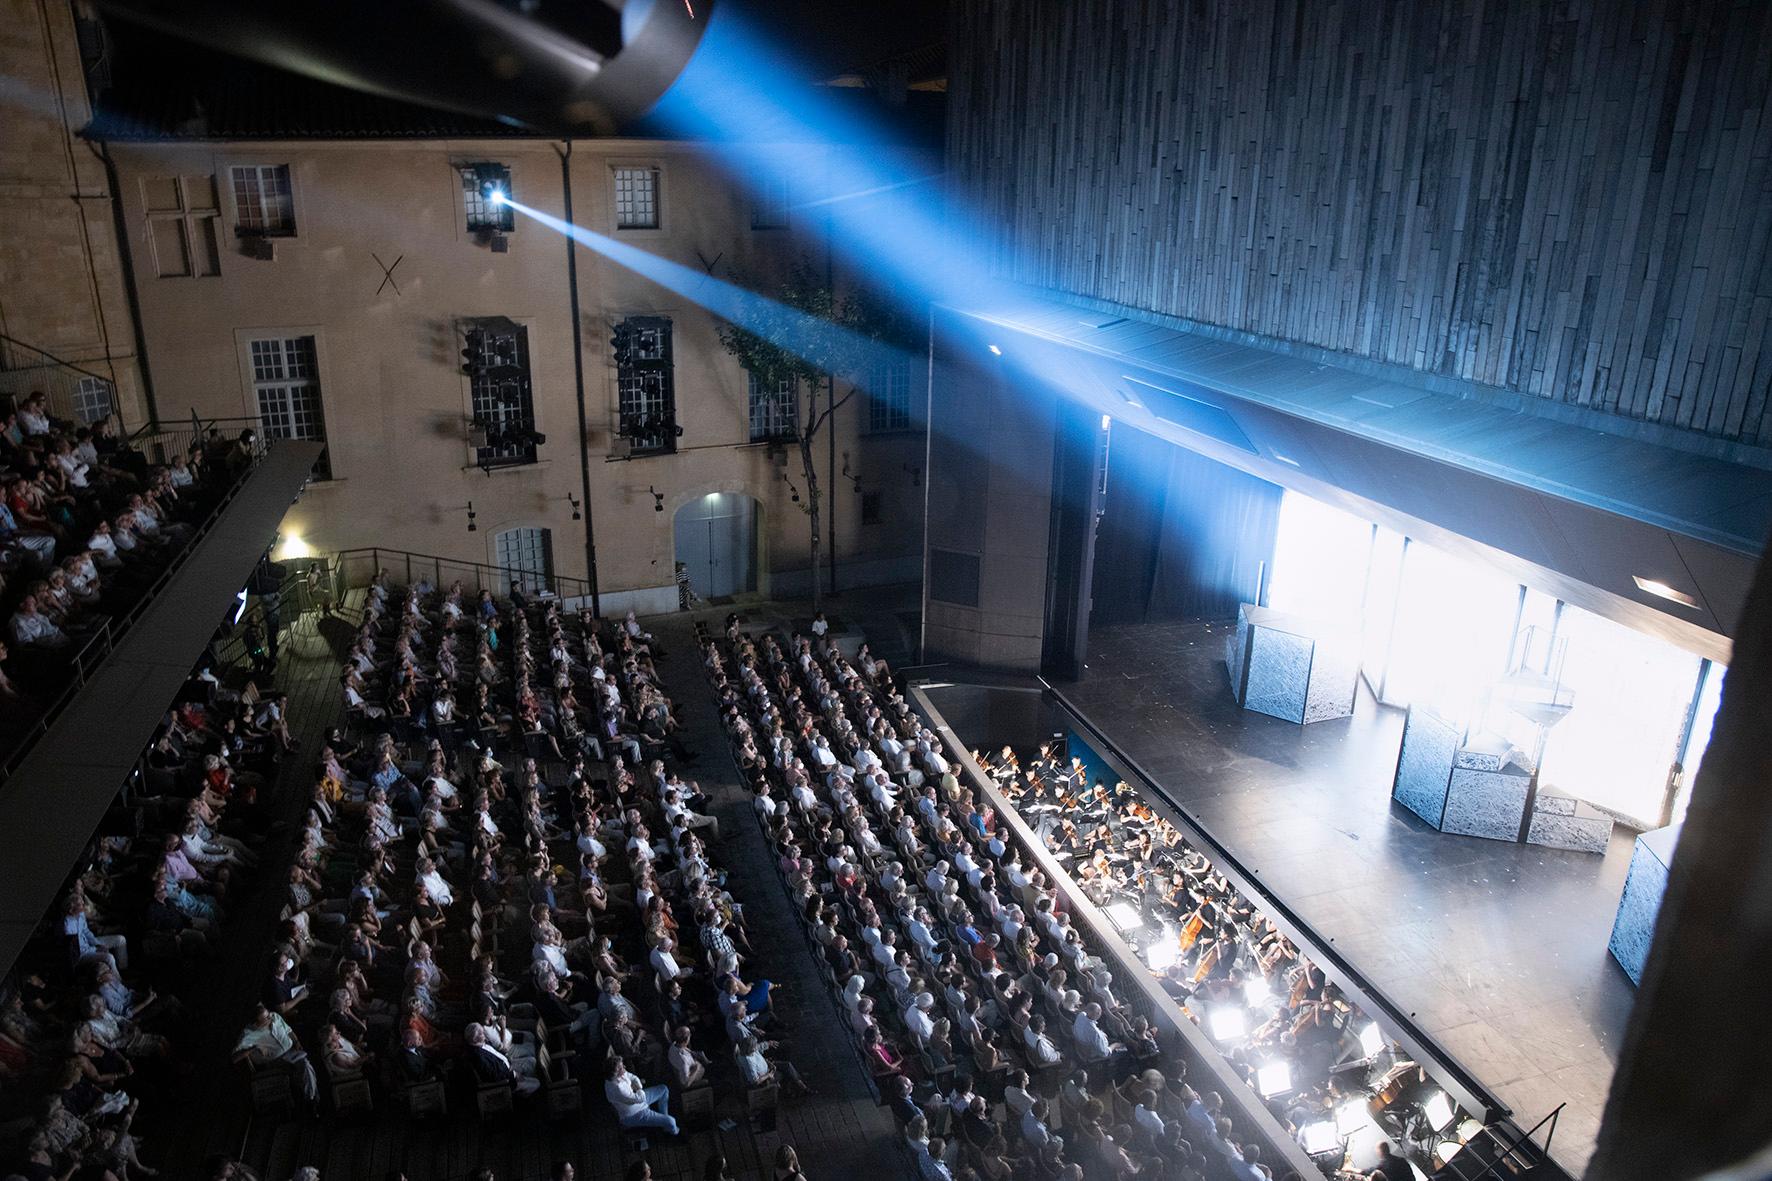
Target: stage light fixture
995	351
1662	590
1228	1024
1439	1111
1274	1079
1256	990
240	598
657	499
472	528
1371	1040
1320	1138
1124	916
1107	422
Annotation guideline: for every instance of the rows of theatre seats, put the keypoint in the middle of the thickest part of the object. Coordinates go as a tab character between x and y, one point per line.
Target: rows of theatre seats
97	1019
989	1027
86	525
434	957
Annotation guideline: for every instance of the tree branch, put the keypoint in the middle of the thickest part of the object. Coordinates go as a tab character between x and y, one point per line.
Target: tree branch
830	410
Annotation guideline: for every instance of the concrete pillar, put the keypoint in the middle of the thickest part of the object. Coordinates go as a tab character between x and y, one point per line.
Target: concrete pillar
1693	1090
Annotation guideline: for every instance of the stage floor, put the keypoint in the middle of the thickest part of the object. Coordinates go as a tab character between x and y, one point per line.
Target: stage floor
1497	951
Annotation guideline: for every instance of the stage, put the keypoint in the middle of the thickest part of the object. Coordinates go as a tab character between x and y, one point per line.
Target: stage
1497	951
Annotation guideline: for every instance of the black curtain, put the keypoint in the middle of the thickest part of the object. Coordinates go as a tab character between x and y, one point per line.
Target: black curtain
1181	537
1131	523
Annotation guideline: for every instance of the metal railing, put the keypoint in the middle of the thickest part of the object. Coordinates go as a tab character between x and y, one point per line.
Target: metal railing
358	567
74	393
1524	1138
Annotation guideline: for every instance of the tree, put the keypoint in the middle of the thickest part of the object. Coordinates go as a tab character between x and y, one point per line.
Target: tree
810	334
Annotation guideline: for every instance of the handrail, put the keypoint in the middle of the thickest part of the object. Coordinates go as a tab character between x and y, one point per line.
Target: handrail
1551	1119
51	357
557	584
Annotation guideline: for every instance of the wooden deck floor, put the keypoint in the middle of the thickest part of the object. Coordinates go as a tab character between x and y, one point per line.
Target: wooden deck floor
841	1134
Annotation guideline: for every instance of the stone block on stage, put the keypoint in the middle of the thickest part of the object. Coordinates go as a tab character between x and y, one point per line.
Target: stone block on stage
1289	667
1644	886
1563	822
1476	789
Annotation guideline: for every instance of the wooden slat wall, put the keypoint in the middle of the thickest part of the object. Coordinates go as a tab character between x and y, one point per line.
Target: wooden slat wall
1566	198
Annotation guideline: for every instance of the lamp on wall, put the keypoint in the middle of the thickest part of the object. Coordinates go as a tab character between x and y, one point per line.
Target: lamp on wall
916	474
472	528
853	478
573	501
657	499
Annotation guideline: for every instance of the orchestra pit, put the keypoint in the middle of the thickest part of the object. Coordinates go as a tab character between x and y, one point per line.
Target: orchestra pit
959	590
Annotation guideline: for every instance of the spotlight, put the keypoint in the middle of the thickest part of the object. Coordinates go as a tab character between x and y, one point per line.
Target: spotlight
995	351
1662	590
1256	990
1371	1040
573	501
472	528
240	598
496	196
1320	1138
1273	1079
1438	1110
1228	1024
657	499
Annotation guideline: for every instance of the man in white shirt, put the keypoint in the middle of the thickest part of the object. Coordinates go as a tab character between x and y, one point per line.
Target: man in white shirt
636	1104
492	1065
33	629
1092	1043
665	964
1041	1051
269	1039
916	1017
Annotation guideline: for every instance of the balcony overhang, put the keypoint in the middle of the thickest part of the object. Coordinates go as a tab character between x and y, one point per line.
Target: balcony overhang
1573	510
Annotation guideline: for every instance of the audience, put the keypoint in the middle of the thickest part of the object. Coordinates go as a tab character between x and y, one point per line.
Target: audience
991	1028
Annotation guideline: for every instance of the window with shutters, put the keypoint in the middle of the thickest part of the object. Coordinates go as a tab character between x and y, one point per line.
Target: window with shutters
183	216
526	560
92	399
636	198
774	406
503	403
889	397
264	205
286	388
483	214
645	400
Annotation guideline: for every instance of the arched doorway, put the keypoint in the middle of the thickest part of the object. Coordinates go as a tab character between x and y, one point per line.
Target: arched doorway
716	541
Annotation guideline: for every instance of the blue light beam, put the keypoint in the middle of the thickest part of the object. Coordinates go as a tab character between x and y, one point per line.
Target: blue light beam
807	336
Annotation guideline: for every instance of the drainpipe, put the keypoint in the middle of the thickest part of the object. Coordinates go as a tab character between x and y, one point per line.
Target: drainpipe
830	426
127	260
578	379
